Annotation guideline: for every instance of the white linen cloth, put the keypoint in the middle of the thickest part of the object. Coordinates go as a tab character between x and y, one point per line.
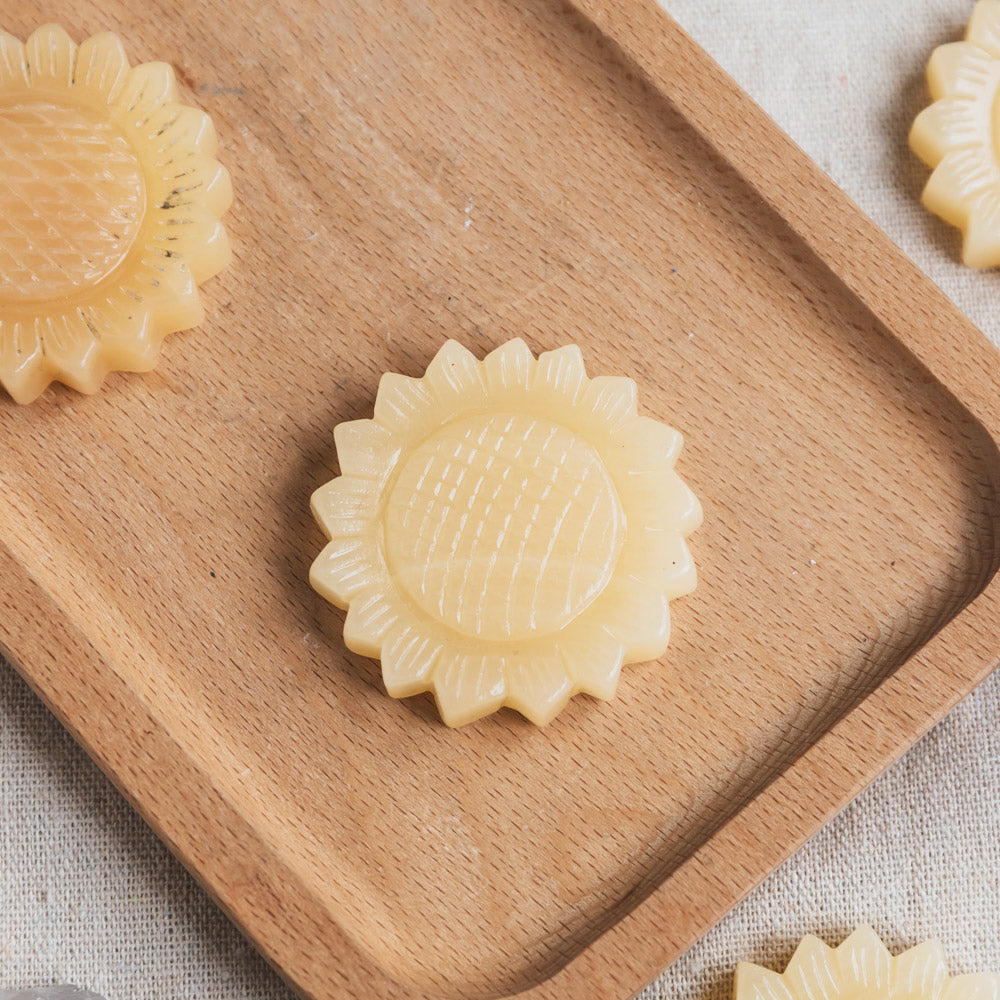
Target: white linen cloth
87	893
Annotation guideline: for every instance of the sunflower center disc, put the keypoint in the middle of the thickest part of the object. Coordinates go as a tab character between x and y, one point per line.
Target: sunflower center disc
503	526
71	200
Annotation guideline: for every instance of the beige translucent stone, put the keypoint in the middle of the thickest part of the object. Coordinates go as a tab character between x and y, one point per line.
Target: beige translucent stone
959	136
526	536
71	200
861	968
109	211
505	532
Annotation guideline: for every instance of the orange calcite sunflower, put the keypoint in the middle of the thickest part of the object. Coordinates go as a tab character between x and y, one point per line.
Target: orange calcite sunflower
959	135
506	532
110	199
862	968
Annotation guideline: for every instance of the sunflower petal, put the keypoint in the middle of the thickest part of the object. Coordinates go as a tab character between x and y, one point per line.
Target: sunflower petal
958	69
812	971
646	445
976	986
51	56
662	560
455	374
538	688
951	123
981	244
959	177
13	63
72	353
344	569
125	332
369	620
468	686
102	66
197	238
562	372
920	973
402	403
756	983
178	130
638	616
662	500
345	506
984	27
22	369
147	87
408	660
365	449
864	964
509	368
593	658
171	295
613	400
210	182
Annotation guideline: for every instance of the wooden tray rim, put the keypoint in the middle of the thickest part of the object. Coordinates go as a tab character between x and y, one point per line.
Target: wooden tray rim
251	884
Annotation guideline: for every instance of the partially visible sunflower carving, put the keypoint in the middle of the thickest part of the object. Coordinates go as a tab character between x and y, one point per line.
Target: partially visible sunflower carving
110	199
959	135
862	969
505	532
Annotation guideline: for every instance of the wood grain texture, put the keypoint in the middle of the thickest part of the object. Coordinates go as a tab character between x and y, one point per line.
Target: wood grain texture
482	170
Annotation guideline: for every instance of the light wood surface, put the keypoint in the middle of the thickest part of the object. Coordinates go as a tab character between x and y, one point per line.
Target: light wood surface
620	193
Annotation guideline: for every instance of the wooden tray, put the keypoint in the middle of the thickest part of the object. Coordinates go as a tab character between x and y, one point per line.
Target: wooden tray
484	169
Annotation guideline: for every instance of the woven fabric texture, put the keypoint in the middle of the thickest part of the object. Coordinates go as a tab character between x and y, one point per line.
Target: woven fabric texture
88	895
